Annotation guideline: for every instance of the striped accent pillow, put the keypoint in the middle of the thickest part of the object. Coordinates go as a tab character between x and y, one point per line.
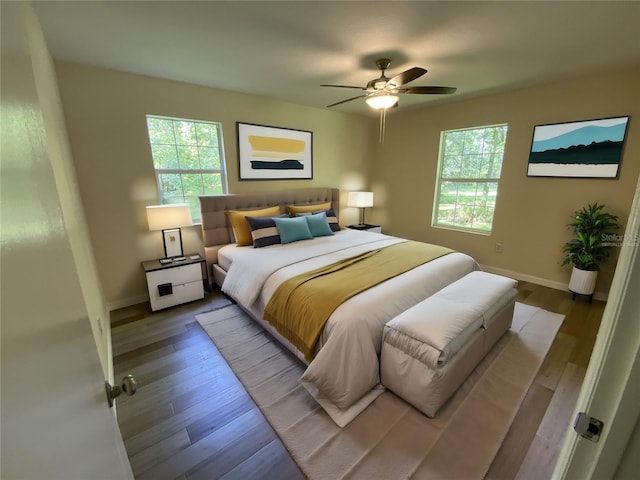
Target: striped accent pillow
241	230
332	219
264	231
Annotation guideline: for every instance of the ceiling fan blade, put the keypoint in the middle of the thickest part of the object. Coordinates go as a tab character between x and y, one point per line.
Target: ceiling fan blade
347	100
428	90
344	86
407	76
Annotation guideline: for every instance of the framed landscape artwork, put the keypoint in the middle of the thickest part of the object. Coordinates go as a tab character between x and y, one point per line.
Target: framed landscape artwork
583	149
273	153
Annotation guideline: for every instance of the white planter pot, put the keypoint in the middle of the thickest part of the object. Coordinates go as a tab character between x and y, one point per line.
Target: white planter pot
583	282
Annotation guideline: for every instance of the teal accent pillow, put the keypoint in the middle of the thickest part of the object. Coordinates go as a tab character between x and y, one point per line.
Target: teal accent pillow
293	229
318	225
332	220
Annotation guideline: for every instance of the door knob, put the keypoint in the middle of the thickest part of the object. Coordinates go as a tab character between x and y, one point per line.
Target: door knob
128	386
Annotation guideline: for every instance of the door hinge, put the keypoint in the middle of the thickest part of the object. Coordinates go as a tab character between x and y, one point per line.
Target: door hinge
588	427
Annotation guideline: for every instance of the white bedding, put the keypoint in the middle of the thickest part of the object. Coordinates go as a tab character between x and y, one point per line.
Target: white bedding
227	253
344	375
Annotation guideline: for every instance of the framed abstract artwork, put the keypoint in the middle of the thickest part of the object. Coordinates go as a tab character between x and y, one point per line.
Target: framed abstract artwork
273	153
582	149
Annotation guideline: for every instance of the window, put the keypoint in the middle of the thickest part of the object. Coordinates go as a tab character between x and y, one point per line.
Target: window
188	159
468	173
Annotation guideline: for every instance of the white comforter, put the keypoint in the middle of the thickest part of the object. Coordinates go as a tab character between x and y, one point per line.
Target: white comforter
343	376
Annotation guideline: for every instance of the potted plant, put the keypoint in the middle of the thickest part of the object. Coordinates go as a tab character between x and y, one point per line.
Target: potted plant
589	247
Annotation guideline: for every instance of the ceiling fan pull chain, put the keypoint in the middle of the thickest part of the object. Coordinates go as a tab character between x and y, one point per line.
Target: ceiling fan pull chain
383	122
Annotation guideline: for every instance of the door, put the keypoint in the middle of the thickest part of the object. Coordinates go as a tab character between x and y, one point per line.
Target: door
55	419
611	391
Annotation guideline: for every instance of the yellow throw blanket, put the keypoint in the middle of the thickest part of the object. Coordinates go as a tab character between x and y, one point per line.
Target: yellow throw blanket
301	306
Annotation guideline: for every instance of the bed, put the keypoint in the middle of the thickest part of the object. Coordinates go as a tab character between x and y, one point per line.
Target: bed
343	372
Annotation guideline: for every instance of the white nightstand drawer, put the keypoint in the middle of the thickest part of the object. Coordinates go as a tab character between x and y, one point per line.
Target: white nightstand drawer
176	275
175	285
181	293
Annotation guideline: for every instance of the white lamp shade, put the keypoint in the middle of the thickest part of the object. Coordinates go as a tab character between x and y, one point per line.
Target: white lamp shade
381	101
163	217
360	199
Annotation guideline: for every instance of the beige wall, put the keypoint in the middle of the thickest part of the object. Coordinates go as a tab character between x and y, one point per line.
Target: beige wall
75	222
105	114
531	213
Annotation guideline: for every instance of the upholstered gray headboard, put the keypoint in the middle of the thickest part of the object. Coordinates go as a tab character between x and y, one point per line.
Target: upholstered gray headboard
216	229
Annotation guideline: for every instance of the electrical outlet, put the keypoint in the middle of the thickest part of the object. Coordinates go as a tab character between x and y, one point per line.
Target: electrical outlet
499	247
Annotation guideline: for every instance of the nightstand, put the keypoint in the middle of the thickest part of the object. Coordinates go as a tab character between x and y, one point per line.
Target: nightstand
174	283
366	227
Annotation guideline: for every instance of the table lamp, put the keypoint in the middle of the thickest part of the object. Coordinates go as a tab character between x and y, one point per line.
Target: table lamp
361	200
170	218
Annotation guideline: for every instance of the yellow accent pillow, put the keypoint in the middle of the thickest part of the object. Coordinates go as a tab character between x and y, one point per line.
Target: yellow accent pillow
240	226
292	210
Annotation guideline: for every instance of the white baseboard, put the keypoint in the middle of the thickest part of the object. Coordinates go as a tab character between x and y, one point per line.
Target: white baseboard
127	302
538	281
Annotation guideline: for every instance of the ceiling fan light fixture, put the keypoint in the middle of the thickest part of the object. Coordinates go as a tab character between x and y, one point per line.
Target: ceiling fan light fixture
380	93
381	101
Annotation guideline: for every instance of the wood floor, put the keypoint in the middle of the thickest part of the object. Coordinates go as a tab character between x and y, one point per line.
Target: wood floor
192	419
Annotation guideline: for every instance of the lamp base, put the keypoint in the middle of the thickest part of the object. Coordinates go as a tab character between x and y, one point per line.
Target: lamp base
362	216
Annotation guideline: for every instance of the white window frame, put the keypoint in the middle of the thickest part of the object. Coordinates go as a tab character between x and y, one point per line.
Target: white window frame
442	157
195	211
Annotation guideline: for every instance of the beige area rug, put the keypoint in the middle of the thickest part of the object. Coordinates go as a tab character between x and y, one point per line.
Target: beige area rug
390	439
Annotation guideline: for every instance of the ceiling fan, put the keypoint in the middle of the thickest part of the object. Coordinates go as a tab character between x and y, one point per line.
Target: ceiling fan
381	92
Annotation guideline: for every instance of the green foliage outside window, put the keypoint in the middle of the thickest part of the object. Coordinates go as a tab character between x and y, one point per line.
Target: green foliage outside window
188	160
470	164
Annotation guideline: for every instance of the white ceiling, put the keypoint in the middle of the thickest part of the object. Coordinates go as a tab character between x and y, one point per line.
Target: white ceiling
285	50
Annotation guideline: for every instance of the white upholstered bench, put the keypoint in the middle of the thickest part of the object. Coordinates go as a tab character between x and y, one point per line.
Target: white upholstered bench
430	349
